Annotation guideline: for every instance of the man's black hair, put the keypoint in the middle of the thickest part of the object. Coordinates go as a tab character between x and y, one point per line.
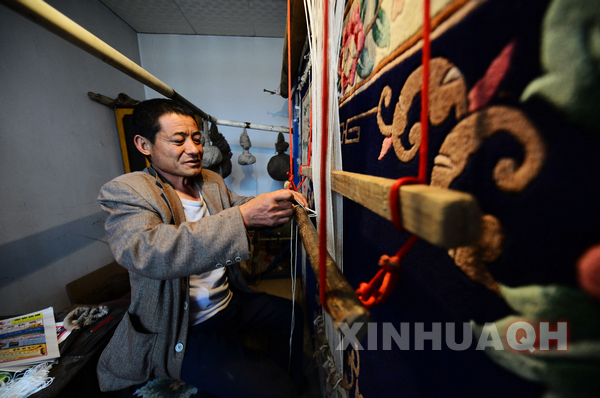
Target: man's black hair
146	114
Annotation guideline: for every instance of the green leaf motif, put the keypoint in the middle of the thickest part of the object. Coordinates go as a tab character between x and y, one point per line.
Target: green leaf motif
572	373
365	65
381	30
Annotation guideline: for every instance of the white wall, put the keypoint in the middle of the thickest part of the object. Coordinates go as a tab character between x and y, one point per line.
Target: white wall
57	148
225	77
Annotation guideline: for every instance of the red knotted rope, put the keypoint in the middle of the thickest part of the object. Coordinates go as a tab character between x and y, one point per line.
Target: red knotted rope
389	273
386	277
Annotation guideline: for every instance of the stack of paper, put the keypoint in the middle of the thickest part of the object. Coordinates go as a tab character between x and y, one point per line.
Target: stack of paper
61	332
27	340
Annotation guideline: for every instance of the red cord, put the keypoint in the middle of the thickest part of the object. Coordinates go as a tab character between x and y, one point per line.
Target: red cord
289	78
386	278
389	273
395	198
324	141
426	55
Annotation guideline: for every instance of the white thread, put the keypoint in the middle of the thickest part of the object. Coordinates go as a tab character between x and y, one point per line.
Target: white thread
318	323
24	384
338	382
304	77
334	202
293	239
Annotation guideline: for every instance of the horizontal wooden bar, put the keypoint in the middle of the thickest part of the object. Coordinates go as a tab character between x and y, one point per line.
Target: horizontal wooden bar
440	216
48	17
342	301
53	20
255	126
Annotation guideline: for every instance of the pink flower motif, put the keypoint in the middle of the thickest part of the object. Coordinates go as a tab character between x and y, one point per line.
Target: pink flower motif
353	41
485	89
588	271
385	147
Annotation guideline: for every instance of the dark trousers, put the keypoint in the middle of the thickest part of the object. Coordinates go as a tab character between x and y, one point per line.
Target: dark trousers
216	361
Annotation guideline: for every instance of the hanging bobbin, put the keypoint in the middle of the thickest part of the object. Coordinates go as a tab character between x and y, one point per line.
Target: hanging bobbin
246	157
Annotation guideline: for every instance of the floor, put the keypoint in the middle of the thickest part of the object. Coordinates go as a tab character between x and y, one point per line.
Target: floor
282	287
86	384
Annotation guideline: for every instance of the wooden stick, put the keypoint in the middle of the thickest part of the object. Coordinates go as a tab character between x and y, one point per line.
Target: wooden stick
48	17
256	126
442	217
342	301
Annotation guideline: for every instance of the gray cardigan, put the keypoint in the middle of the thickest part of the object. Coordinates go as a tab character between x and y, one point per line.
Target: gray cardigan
149	236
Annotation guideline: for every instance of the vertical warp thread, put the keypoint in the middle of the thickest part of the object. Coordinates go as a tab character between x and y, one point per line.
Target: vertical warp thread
324	145
314	10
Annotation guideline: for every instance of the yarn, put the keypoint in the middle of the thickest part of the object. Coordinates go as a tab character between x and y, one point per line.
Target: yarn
290	173
212	155
323	171
386	278
219	141
84	316
333	161
279	165
24	384
246	157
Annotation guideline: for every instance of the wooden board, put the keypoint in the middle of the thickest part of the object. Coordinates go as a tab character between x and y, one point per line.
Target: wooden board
442	217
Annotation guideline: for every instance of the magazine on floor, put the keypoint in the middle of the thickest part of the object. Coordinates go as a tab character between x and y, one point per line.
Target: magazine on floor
27	340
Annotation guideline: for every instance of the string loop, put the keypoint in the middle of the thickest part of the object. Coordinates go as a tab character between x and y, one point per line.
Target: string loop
395	199
386	278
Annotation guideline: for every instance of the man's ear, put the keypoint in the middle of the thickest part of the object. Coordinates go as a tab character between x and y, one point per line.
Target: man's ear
142	144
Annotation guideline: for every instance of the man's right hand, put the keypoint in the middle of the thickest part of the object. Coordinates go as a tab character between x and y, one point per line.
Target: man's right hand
270	209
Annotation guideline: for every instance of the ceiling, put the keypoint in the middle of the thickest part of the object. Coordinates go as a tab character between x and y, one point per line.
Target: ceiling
255	18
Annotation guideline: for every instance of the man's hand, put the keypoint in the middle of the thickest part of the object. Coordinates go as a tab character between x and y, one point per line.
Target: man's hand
271	209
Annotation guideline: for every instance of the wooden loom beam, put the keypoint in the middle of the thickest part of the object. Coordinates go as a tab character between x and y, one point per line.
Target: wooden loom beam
342	302
48	17
442	217
256	126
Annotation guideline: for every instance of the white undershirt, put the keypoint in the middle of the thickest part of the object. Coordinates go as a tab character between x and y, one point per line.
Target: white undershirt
209	291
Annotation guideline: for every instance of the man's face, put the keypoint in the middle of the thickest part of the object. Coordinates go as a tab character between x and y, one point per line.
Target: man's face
177	150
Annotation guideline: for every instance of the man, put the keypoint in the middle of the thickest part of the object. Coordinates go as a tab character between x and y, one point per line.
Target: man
180	231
